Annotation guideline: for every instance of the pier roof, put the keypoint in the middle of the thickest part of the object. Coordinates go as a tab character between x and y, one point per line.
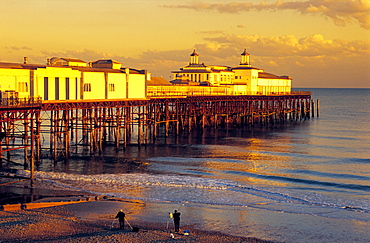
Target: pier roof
20	65
103	61
193	71
72	59
84	69
245	67
196	65
271	76
156	81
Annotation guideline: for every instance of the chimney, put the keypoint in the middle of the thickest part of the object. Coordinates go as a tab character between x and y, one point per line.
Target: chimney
25	60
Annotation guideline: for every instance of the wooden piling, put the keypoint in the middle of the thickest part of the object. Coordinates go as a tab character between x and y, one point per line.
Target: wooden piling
318	108
91	124
312	108
32	158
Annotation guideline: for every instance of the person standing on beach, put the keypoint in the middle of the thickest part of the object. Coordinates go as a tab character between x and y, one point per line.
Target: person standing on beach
121	218
176	220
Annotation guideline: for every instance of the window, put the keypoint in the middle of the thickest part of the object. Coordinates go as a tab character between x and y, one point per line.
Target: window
111	87
87	87
76	85
57	88
67	88
23	87
46	88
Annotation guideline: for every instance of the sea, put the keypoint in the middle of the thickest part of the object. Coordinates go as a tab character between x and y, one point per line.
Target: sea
305	181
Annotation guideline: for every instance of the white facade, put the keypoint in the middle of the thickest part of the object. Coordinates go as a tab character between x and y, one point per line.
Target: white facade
242	78
63	79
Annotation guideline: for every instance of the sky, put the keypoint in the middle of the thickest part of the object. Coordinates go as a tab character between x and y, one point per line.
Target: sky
319	43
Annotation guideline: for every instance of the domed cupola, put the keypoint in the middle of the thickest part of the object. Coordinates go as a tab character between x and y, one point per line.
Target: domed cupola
245	61
194	58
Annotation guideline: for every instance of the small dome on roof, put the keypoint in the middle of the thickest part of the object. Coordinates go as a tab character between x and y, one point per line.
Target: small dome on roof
245	53
194	53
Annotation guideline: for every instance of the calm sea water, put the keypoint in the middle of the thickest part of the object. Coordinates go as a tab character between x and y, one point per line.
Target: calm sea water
298	182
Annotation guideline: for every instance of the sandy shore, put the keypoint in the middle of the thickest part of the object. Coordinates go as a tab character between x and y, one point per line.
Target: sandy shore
87	222
90	221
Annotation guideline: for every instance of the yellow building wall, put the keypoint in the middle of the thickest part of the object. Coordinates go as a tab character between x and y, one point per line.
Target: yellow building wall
239	90
226	78
10	79
97	82
274	86
252	81
52	73
116	65
119	81
136	86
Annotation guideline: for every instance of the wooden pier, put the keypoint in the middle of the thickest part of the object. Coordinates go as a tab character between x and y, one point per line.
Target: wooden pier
55	129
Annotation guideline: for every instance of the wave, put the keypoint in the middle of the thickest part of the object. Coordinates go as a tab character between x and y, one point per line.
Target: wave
133	179
330	175
177	188
302	181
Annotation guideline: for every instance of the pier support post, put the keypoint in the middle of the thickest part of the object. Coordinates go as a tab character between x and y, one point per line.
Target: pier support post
312	108
318	108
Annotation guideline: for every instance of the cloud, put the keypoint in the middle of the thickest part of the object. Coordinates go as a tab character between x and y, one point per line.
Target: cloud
212	32
341	12
18	48
310	60
86	54
15	53
313	61
289	45
160	63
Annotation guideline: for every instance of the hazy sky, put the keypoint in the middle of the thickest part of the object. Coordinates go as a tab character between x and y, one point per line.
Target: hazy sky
320	43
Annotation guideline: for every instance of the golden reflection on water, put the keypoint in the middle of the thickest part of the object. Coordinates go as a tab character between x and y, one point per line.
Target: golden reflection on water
248	159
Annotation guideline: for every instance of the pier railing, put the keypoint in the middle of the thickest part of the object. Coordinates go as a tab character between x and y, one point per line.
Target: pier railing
162	91
20	102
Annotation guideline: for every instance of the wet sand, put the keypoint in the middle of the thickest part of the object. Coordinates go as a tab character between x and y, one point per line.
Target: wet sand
94	222
89	221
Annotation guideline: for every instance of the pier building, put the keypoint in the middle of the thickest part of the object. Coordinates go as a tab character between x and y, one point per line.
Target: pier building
240	80
73	79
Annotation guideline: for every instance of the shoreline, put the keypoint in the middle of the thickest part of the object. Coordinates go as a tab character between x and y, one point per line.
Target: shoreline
89	220
86	222
20	192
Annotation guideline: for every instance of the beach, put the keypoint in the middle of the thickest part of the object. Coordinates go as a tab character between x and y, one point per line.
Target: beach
93	221
62	214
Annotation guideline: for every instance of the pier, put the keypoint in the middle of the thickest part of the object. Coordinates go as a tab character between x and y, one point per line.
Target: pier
54	129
